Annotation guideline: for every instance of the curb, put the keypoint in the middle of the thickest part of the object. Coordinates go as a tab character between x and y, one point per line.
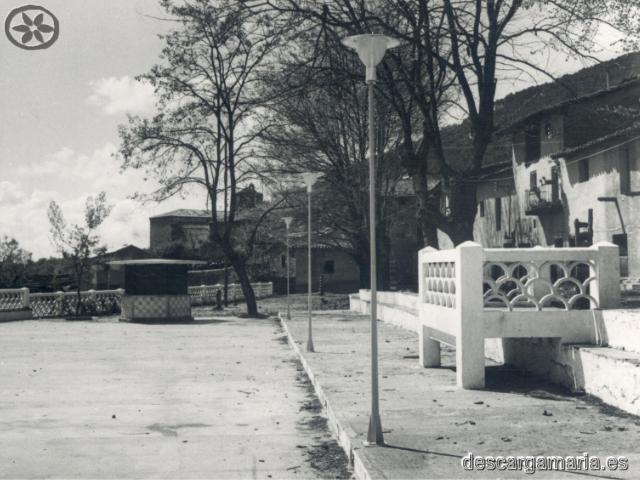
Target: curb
344	433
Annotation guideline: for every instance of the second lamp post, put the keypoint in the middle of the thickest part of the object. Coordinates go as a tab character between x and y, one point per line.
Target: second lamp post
287	222
309	179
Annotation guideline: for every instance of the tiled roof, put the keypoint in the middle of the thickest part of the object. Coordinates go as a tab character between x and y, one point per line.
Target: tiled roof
585	82
624	133
185	213
571	101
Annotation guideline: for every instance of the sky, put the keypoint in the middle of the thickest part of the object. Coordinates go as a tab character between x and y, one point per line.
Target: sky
61	108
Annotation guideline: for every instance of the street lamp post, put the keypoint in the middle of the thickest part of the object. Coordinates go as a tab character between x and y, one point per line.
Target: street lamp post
371	48
309	179
287	222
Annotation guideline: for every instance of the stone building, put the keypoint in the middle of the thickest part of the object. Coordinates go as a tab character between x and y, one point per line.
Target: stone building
576	171
185	231
335	268
104	276
185	228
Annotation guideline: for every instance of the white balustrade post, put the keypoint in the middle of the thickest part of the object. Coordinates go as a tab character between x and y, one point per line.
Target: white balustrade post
428	349
606	288
24	297
469	311
92	299
59	302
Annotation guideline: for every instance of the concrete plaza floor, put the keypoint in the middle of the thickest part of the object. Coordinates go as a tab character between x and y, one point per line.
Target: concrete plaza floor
221	398
430	425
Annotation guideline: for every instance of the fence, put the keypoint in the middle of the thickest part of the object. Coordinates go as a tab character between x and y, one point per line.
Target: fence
59	304
106	302
14	299
469	293
206	294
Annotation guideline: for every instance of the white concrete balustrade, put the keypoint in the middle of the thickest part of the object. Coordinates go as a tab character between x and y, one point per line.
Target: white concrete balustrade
14	299
55	304
469	294
206	294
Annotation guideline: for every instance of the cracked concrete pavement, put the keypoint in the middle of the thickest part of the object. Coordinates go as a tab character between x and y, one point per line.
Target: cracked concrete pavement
219	398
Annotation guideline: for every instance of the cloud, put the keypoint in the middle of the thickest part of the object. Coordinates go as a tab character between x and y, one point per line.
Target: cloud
69	177
10	194
116	96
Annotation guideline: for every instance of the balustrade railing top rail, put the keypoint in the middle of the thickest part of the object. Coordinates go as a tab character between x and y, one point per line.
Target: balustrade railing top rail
515	278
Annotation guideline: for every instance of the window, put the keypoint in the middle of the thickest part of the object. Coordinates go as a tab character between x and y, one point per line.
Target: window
498	213
329	267
533	180
532	143
549	131
583	170
283	259
481	208
629	173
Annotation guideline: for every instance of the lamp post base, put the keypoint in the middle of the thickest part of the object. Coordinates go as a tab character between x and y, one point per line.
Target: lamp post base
310	346
374	435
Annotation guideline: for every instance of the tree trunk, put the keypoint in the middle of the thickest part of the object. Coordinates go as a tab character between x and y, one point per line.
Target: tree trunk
363	265
247	289
463	212
383	259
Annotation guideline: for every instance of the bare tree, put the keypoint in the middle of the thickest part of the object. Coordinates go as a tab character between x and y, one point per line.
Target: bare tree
77	243
453	54
321	126
14	261
208	104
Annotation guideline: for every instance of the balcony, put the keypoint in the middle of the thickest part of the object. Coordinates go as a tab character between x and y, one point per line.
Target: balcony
543	200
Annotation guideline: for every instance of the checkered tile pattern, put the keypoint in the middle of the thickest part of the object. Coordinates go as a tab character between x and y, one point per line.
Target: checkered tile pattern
156	306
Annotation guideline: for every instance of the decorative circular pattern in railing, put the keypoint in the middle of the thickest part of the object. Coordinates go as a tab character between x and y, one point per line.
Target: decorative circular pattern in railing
439	284
551	284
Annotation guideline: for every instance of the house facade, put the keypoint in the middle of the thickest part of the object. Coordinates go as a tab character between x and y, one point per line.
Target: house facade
576	172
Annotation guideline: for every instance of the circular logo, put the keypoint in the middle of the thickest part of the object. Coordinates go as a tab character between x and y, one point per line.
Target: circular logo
32	27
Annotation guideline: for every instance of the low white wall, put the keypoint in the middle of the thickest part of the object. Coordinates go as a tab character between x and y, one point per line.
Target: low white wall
611	374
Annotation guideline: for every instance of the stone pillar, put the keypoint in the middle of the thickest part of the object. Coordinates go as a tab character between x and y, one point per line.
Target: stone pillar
429	349
469	312
24	298
606	288
59	303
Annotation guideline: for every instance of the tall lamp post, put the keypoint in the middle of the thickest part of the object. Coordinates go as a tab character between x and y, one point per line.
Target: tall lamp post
371	48
287	222
309	179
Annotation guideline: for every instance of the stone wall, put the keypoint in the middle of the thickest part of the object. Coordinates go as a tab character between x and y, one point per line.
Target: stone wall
344	279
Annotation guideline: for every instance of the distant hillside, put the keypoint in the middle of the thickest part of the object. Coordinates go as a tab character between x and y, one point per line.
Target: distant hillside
574	85
456	139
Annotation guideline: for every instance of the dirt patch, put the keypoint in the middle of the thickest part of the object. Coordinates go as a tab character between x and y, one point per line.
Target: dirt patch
328	458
